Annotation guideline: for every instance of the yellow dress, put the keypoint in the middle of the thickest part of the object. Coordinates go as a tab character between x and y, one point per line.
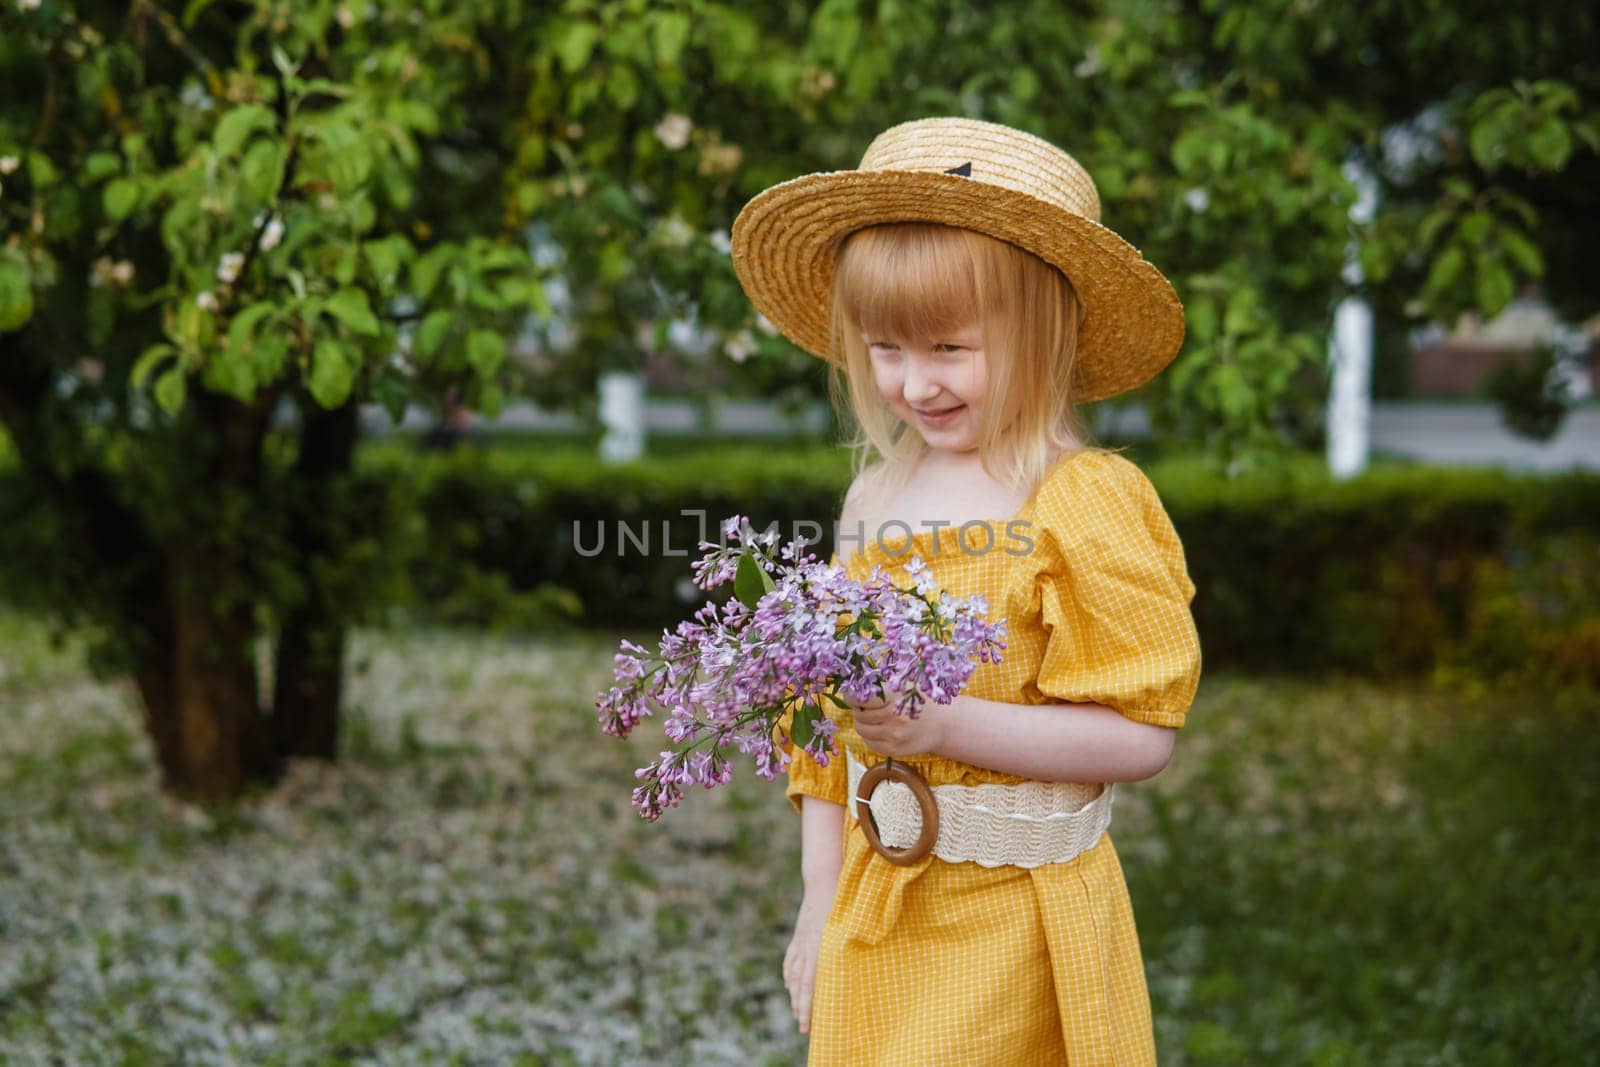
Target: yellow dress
953	963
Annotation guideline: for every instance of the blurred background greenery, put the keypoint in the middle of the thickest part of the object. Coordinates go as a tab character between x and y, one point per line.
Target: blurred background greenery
231	234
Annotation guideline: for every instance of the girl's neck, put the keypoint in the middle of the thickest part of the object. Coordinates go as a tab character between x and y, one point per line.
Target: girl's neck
945	461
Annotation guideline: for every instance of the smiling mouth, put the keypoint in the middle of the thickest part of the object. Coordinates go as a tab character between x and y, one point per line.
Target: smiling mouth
941	411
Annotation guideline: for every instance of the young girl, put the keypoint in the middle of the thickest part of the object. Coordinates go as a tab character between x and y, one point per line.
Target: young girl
970	908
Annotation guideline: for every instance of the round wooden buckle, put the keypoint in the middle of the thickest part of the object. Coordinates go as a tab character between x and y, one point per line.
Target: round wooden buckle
906	776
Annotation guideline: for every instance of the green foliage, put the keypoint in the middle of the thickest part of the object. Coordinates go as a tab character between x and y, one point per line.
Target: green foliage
1532	394
635	131
1527	126
1532	618
282	197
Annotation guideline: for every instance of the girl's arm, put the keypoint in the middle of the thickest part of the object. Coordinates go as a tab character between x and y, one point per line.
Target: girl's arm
821	843
1045	742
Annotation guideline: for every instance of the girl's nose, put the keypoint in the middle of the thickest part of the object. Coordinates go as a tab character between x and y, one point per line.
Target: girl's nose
919	385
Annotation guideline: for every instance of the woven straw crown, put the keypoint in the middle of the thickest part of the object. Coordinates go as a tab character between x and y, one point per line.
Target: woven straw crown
981	176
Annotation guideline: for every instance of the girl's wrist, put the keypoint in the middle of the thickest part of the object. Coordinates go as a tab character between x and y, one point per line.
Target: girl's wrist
940	728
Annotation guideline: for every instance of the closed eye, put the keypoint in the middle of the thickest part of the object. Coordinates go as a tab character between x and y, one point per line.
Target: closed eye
943	346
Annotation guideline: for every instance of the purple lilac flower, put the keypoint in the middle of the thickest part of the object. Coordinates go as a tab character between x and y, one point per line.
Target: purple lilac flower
728	677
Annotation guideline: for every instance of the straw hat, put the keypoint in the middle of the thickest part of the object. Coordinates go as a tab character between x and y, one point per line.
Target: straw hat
981	176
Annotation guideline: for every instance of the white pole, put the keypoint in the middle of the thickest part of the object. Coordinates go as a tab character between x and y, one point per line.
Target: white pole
1350	349
622	414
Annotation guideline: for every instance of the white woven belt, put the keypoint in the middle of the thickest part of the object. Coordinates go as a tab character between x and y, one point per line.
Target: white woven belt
994	825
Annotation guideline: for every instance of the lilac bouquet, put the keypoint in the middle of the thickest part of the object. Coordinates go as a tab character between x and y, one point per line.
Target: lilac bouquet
753	674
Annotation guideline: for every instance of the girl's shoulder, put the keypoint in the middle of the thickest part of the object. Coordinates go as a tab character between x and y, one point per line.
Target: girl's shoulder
865	490
867	482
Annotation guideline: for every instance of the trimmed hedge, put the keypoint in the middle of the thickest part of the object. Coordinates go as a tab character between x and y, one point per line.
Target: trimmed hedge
1394	571
562	519
1405	569
1471	574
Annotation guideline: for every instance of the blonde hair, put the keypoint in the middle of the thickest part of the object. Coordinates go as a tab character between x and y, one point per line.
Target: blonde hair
920	280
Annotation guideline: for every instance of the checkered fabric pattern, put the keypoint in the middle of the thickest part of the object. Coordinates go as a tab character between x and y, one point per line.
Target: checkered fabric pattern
941	963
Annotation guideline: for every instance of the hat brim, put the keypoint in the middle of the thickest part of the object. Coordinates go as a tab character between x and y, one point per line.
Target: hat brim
785	239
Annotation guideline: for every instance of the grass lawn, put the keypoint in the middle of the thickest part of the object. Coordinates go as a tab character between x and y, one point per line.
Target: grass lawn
1330	872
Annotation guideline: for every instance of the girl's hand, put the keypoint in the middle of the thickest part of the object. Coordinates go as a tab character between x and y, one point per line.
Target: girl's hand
893	734
800	962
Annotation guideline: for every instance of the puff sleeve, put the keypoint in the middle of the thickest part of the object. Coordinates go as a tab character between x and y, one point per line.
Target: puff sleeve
807	777
1114	594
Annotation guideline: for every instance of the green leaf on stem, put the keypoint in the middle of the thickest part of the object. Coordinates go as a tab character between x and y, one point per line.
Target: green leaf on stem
394	393
350	307
120	197
804	728
16	290
432	332
333	372
486	350
751	581
236	126
170	389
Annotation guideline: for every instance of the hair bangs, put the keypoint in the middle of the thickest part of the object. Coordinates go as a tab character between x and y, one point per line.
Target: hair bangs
912	281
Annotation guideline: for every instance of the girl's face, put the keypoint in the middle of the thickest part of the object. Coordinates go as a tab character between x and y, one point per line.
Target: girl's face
937	386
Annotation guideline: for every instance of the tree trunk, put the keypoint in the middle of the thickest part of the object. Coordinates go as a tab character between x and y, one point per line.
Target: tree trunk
199	692
222	740
310	656
157	680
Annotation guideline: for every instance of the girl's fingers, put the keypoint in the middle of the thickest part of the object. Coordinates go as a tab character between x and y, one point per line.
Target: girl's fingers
797	978
802	1011
798	973
871	714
